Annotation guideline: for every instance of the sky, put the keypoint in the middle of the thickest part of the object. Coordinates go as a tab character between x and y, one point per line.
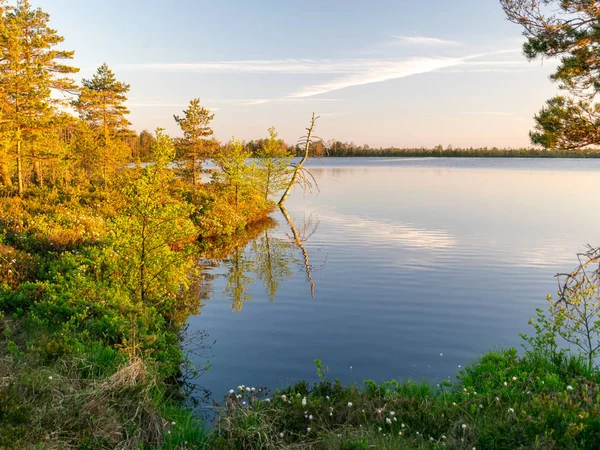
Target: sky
386	73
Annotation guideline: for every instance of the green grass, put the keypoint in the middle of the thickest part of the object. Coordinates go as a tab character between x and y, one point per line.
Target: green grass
502	401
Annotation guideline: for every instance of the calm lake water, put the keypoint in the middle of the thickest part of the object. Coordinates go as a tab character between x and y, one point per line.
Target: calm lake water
410	259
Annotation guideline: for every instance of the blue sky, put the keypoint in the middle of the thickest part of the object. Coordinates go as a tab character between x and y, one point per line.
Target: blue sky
401	73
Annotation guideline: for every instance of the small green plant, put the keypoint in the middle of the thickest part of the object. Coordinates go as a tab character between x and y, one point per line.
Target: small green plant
574	317
322	374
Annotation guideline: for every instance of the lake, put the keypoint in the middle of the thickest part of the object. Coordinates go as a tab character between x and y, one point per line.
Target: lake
418	267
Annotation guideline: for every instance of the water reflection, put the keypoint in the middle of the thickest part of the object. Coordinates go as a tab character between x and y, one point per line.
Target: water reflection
261	256
419	262
308	229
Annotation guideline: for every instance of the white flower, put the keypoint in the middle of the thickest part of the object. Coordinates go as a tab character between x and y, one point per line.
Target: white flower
268	400
327	397
441	354
284	397
172	423
480	406
349	404
399	433
304	401
50	377
402	425
252	389
510	410
417	433
310	417
308	430
514	378
569	388
430	438
280	435
392	413
443	436
395	419
238	396
474	393
505	383
464	426
459	366
240	388
243	403
465	389
330	414
379	428
247	389
231	391
497	399
388	420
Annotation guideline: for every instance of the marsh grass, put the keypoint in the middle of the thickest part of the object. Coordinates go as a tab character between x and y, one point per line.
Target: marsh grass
92	400
544	404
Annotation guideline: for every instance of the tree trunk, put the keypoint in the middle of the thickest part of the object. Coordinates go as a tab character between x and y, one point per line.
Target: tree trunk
299	166
5	174
39	176
20	167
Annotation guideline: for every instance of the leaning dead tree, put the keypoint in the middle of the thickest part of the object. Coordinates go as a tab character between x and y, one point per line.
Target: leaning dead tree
300	173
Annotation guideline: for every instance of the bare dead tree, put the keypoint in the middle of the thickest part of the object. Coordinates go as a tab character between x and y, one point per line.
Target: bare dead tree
570	283
300	174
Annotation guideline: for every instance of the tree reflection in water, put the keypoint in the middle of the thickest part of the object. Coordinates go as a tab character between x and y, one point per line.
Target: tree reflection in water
265	258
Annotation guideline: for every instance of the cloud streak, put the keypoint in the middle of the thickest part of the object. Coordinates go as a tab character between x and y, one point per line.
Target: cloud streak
290	66
347	72
377	73
422	40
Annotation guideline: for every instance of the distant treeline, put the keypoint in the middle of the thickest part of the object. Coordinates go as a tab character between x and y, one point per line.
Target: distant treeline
464	152
335	148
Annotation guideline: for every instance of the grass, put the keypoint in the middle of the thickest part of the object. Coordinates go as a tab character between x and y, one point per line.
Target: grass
502	401
91	400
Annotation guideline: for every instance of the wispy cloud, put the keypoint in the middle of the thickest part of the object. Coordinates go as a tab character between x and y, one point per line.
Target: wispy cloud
262	101
291	66
350	72
376	72
422	40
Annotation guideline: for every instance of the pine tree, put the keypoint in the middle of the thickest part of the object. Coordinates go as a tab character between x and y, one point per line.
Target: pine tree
569	30
30	69
195	125
101	104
